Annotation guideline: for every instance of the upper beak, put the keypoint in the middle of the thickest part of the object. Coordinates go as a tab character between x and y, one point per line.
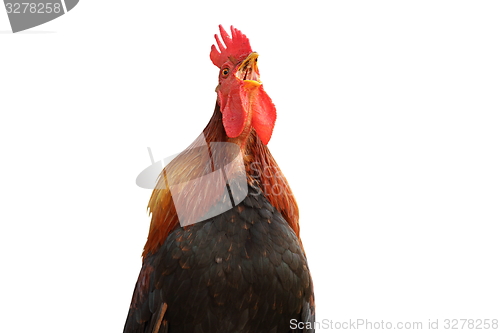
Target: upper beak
248	71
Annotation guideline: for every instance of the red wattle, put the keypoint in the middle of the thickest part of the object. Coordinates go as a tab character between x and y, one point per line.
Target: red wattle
234	114
263	115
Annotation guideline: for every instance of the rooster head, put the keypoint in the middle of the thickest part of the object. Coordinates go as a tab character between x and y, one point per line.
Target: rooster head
242	100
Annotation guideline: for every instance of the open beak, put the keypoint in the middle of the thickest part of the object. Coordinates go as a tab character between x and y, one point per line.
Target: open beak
248	71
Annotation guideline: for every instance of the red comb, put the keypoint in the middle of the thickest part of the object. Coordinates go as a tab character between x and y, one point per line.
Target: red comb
237	46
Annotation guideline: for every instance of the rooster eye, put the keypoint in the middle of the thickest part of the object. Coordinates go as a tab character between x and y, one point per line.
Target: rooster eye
225	71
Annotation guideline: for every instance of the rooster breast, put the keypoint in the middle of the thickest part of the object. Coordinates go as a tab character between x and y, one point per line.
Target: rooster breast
243	271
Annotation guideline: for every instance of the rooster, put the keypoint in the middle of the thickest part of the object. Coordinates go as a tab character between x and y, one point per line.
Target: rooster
223	254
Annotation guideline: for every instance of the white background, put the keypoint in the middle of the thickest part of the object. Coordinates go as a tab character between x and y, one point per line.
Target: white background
388	131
